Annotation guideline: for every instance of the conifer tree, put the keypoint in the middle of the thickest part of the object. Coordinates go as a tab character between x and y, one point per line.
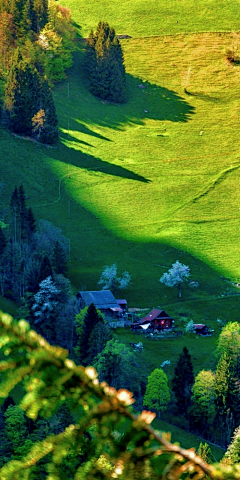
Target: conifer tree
227	394
45	269
85	323
31	227
205	452
14	209
232	455
40	14
105	64
45	122
21	96
59	259
3	242
45	309
182	381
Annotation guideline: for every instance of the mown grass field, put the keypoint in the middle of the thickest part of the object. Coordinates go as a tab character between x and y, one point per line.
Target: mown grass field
156	17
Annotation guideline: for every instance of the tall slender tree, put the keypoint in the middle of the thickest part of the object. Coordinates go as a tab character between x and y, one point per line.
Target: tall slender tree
89	318
182	381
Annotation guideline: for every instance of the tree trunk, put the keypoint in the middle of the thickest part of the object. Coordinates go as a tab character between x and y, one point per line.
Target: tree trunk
179	290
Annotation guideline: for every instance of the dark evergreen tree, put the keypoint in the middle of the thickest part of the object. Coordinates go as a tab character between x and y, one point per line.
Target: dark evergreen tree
28	106
45	122
59	259
31	227
39	15
104	64
21	96
14	211
182	381
3	242
97	341
85	324
22	213
45	269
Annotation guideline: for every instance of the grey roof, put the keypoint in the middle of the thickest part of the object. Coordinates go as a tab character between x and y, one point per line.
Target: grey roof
100	298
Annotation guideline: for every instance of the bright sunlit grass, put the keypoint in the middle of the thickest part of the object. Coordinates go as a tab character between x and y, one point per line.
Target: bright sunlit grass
156	17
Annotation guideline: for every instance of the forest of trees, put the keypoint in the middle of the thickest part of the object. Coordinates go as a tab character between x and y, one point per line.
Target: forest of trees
35	50
104	64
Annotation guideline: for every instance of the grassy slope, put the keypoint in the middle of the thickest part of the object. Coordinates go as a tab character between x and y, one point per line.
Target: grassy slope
156	17
132	186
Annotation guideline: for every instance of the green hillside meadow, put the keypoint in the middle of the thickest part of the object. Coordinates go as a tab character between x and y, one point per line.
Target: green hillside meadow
154	180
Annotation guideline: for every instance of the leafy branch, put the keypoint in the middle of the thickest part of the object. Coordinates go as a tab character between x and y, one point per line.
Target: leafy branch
50	379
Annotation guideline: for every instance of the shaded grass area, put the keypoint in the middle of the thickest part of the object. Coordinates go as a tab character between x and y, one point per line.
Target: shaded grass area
186	439
156	17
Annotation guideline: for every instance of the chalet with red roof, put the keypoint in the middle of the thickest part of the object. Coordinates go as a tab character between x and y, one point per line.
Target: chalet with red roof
156	319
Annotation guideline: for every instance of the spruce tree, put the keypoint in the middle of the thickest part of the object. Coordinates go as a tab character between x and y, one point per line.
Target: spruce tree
232	455
21	96
14	213
3	242
45	122
85	324
105	64
205	452
59	259
40	14
22	213
30	224
227	394
45	269
182	381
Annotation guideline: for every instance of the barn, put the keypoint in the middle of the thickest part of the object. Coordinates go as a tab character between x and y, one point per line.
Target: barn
156	319
104	300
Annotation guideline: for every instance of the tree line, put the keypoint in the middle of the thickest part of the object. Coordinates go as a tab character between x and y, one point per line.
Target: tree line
35	50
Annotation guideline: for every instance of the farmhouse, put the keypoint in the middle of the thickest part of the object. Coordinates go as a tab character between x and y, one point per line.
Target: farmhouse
201	329
156	319
104	300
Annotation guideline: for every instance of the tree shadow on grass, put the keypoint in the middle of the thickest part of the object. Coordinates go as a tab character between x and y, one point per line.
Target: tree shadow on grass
88	162
85	114
144	101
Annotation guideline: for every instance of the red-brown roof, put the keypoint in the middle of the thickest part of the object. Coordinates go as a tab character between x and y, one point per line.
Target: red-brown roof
153	315
199	325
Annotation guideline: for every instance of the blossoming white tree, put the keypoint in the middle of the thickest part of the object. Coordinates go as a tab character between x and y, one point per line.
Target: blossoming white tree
110	280
176	276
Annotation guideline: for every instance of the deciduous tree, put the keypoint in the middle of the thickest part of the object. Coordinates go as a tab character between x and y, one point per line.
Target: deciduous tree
115	365
110	279
157	396
175	276
203	410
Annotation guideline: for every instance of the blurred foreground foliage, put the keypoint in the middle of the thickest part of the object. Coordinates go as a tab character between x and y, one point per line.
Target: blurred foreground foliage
110	440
